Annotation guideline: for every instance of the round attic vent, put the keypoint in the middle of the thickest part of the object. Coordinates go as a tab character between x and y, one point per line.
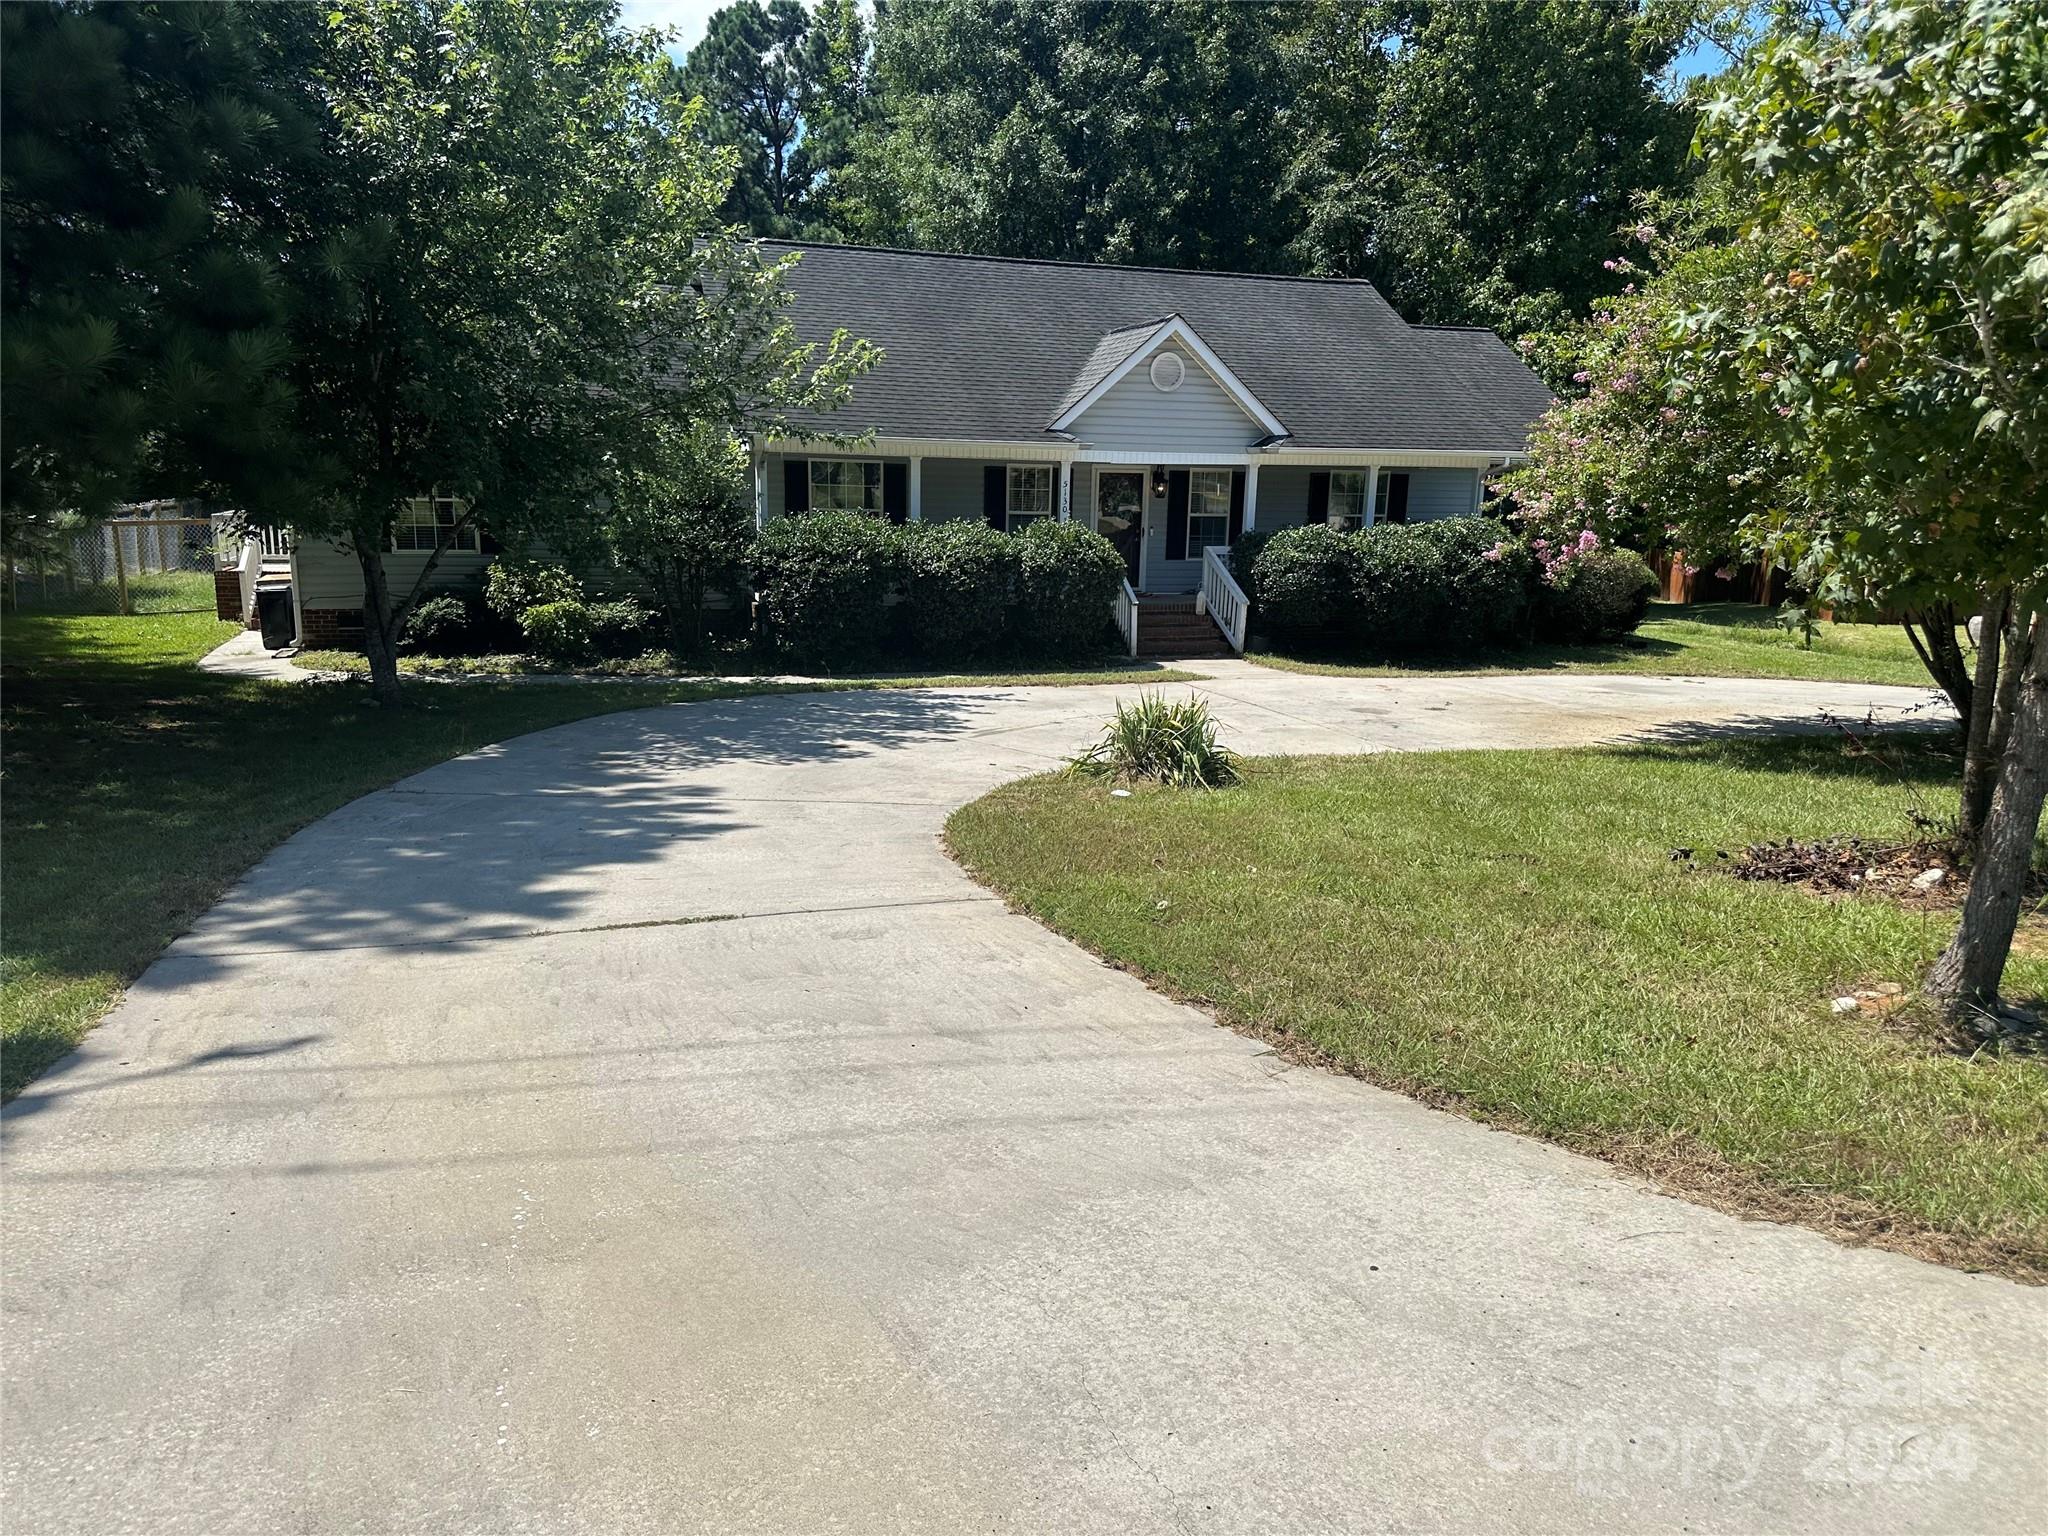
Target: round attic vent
1168	371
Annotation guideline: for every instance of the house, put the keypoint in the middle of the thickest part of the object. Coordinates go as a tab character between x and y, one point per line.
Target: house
1170	410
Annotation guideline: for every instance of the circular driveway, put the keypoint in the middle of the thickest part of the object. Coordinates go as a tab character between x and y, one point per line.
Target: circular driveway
642	1126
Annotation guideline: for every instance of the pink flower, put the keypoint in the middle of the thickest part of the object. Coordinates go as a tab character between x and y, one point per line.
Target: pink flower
1669	413
1494	553
1581	377
1611	266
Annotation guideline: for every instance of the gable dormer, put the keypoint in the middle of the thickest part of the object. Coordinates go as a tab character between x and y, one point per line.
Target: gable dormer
1158	387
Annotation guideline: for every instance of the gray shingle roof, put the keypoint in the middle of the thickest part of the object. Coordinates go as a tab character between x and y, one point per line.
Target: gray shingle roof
989	348
1103	361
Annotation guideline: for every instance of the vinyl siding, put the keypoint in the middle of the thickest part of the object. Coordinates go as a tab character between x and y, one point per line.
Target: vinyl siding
1437	493
330	577
1432	494
1199	417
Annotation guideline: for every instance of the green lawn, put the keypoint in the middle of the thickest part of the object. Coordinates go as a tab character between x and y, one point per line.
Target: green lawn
1507	935
1688	640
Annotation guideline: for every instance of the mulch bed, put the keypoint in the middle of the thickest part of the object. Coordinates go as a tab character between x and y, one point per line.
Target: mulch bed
1923	873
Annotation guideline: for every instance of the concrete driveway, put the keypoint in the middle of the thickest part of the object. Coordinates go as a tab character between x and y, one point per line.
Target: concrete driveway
642	1126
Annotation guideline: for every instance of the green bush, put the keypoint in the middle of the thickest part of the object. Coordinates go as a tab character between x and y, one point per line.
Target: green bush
439	626
512	585
621	628
1599	595
958	578
822	582
1170	741
1244	558
1301	580
1400	590
1489	581
1068	576
559	632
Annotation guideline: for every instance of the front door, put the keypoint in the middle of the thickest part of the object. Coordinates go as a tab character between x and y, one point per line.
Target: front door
1120	513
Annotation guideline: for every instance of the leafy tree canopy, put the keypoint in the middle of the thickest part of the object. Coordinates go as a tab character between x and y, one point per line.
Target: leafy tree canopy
144	314
786	89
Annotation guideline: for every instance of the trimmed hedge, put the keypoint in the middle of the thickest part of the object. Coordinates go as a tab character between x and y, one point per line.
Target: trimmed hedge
958	581
559	631
1303	583
1602	595
822	583
1067	580
622	628
1455	585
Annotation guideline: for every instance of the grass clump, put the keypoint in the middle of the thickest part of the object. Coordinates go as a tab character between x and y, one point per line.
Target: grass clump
1166	741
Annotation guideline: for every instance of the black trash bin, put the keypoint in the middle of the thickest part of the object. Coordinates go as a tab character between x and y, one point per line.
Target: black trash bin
274	615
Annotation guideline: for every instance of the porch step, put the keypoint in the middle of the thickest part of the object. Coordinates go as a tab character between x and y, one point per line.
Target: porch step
1174	631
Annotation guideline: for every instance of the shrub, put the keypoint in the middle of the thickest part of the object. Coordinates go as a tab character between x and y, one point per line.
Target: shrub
1171	741
958	578
1601	594
822	582
1244	556
621	628
559	631
512	585
440	626
1488	583
1302	582
1068	576
1400	590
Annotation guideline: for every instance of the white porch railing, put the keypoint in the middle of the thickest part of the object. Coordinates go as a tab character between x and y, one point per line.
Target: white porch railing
1223	598
1127	616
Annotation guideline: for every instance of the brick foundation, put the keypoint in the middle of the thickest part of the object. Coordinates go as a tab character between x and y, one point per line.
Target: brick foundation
331	629
227	594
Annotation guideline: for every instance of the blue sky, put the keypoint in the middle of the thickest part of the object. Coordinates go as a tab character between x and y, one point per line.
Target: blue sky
688	17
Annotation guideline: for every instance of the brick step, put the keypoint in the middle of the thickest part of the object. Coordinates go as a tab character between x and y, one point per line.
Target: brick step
1189	648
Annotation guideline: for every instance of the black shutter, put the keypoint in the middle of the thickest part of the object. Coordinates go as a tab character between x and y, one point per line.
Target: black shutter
1236	504
995	494
1319	496
896	492
1397	498
796	485
488	542
1177	515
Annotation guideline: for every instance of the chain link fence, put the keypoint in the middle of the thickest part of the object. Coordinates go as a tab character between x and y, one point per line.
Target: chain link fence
156	558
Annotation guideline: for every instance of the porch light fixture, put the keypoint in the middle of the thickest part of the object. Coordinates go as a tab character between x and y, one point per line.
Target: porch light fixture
1159	481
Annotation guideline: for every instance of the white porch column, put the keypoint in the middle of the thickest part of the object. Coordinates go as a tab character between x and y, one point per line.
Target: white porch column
1372	494
917	487
760	490
1066	490
1251	495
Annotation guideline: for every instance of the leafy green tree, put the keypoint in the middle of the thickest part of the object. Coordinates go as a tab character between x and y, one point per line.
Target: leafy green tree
144	318
684	525
1139	132
1478	170
785	89
1872	346
515	278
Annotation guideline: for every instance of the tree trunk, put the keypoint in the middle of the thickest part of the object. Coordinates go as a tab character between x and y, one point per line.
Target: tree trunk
1980	755
1967	975
380	637
1933	633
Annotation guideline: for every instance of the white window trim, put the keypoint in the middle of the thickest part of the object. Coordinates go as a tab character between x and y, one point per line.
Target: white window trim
468	539
1363	516
1015	517
1195	549
811	480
